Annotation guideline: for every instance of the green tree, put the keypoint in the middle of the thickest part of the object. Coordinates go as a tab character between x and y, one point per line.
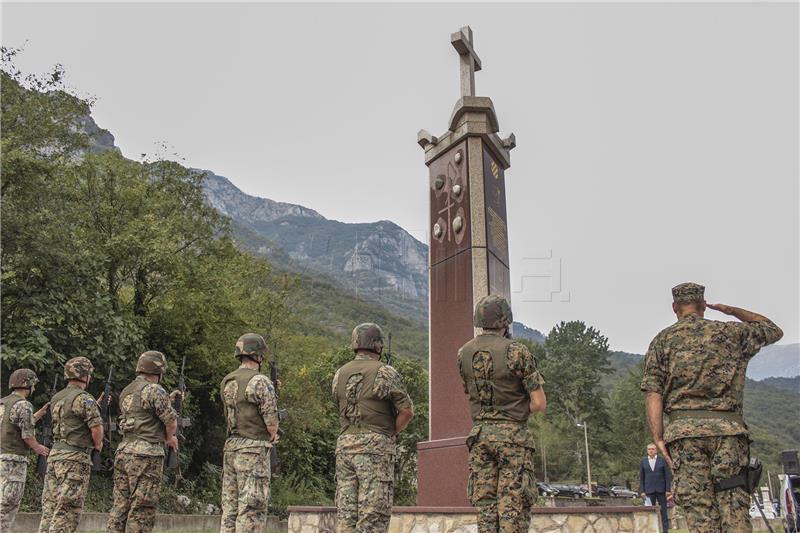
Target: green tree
629	434
573	359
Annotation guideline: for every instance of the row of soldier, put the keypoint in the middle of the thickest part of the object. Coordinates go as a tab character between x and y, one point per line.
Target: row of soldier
694	374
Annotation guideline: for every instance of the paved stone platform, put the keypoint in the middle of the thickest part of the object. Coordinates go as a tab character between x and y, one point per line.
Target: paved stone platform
29	522
621	519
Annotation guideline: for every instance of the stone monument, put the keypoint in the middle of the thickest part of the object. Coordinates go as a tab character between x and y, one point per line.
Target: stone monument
468	259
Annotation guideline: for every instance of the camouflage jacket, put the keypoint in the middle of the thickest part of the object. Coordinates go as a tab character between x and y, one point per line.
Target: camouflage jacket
389	386
700	364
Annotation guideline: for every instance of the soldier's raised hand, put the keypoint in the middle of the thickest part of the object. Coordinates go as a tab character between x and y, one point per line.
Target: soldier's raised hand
722	308
174	394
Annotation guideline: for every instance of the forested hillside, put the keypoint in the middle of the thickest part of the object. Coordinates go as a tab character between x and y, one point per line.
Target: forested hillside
106	257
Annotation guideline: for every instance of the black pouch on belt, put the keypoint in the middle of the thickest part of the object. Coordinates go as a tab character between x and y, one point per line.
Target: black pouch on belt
747	478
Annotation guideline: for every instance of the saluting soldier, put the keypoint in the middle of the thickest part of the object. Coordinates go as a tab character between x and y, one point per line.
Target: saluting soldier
17	438
251	414
504	388
373	408
77	430
148	423
695	374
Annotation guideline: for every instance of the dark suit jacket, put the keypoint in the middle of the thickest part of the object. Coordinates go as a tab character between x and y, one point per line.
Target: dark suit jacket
658	480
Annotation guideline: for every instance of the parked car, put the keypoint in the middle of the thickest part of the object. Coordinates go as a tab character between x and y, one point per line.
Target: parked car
600	490
546	490
567	491
622	492
580	490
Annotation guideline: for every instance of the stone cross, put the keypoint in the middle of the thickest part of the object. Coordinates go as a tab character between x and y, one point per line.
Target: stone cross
470	62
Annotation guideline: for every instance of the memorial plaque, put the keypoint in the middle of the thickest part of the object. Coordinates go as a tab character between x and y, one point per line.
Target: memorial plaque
494	187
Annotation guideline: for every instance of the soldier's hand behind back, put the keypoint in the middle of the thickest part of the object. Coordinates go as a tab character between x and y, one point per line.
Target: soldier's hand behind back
722	308
662	447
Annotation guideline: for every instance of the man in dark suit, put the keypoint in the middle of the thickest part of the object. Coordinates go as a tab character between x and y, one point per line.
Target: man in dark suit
655	482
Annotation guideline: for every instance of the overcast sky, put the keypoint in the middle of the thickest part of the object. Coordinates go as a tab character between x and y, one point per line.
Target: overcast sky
656	143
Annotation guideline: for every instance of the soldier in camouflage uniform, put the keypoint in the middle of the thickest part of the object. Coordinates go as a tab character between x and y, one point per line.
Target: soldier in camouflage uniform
251	413
17	438
695	373
373	408
148	423
77	430
504	388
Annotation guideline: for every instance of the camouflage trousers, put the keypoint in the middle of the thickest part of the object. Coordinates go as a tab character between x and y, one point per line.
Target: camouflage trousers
364	492
245	490
698	462
12	486
137	485
65	486
502	485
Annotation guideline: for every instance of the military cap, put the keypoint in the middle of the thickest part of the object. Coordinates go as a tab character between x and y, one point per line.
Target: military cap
687	293
22	379
367	336
492	312
78	368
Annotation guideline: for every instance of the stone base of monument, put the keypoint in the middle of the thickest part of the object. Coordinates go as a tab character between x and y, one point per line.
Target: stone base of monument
627	519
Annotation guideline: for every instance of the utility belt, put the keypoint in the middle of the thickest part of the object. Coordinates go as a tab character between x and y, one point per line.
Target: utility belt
66	447
684	414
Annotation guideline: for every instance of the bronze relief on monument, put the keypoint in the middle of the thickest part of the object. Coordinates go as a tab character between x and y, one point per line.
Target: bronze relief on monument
449	214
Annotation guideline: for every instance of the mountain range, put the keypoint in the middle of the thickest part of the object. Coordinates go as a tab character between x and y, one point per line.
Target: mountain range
378	264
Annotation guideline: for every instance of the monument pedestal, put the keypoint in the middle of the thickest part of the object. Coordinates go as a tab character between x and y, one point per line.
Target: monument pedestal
623	519
443	473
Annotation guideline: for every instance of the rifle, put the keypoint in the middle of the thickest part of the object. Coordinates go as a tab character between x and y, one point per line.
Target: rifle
389	354
97	461
274	462
46	434
183	422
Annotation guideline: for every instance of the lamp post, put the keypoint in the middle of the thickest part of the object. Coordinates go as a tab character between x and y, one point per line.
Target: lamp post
588	466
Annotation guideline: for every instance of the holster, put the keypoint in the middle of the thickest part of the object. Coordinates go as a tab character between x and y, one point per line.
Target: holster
747	478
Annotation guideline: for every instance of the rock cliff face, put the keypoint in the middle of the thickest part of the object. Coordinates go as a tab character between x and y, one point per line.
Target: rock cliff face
377	261
230	200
